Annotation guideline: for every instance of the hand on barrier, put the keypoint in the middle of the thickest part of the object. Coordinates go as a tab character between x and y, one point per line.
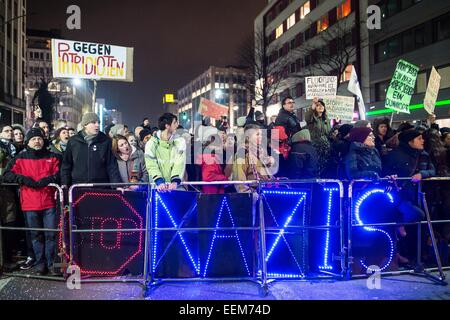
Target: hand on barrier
417	177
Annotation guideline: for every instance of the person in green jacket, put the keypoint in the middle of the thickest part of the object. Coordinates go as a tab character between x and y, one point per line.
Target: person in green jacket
320	127
165	155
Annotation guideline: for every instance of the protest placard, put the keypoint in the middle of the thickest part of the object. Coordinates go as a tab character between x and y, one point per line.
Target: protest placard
340	107
431	95
321	87
85	60
401	88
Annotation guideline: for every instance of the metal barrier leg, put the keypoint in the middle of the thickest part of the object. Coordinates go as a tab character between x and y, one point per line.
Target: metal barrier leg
148	225
264	289
441	277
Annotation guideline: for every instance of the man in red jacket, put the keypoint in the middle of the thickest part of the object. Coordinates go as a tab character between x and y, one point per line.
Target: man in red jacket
33	169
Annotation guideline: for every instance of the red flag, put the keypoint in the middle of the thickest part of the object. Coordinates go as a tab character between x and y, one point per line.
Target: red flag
211	109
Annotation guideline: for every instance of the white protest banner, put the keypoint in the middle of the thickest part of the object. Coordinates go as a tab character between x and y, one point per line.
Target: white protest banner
340	107
354	87
85	60
431	95
401	88
321	87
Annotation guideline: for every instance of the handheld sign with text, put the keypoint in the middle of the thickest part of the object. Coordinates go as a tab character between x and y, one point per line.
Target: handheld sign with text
401	88
340	107
208	108
321	87
85	60
431	95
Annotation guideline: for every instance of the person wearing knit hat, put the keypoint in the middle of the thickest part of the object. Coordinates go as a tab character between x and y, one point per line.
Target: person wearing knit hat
34	132
409	160
302	135
303	159
344	130
88	157
363	160
118	129
34	169
89	117
362	123
408	135
359	134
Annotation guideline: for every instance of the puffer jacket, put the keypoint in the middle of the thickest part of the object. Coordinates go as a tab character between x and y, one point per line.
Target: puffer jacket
362	162
89	163
165	160
36	165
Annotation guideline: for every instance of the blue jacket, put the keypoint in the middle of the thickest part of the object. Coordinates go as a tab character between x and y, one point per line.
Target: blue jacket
362	162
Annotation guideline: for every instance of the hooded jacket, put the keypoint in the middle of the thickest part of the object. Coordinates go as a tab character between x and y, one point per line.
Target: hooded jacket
165	160
41	165
92	162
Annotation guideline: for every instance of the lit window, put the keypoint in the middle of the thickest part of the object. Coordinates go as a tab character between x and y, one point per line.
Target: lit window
304	10
344	9
291	21
279	31
322	23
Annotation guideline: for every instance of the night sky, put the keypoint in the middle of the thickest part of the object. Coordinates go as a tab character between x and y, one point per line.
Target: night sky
174	41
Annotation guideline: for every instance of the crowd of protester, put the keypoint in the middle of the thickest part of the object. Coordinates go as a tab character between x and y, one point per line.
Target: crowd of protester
167	155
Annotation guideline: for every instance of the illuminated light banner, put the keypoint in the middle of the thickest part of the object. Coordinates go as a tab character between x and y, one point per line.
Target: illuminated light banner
431	95
340	107
441	103
105	253
401	88
321	87
208	108
85	60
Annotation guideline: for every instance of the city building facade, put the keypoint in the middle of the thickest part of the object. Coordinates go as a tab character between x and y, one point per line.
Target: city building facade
12	61
226	86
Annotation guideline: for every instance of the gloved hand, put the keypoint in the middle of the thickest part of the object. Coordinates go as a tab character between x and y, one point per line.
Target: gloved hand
27	181
45	181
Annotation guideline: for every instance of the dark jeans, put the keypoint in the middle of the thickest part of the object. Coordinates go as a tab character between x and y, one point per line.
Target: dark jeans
44	251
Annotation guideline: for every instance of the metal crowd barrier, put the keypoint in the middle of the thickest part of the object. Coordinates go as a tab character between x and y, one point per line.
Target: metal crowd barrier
73	230
180	231
261	275
354	222
62	231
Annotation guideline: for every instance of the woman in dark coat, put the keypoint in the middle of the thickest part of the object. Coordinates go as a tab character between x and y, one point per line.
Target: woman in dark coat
363	160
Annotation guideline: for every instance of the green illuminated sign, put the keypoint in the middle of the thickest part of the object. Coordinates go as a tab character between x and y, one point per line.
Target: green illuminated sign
440	103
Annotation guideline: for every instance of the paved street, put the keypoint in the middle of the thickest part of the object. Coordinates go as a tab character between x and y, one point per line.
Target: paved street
404	287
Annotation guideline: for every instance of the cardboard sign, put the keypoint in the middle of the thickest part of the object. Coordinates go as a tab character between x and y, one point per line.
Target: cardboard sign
340	107
401	88
321	87
431	95
211	109
85	60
